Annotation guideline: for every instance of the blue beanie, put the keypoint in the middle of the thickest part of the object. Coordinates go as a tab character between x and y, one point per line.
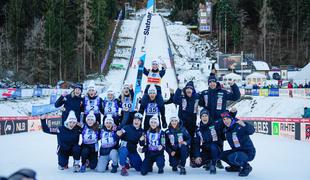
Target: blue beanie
212	78
204	111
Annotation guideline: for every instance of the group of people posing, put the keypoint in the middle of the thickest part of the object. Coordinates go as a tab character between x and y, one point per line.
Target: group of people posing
113	131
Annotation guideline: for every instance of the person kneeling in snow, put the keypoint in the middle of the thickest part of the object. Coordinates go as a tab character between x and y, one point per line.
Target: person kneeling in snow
207	142
153	145
130	136
68	141
89	146
109	146
152	104
242	150
177	145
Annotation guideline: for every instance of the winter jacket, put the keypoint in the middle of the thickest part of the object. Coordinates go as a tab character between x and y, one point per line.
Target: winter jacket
174	137
130	137
109	140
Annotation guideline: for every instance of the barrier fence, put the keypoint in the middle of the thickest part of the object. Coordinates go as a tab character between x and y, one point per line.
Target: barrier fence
18	93
292	128
276	92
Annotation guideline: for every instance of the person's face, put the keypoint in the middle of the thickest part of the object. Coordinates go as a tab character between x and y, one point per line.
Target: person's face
174	123
77	91
227	121
71	124
189	92
110	96
154	66
153	124
91	92
90	122
136	123
152	96
126	91
212	85
205	119
108	125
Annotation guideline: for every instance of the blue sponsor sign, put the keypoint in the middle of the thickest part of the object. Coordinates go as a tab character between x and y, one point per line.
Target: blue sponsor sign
43	109
53	97
273	92
17	93
37	92
255	92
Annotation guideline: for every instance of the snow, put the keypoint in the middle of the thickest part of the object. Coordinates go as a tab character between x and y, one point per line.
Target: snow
304	74
261	66
232	76
277	160
272	107
256	75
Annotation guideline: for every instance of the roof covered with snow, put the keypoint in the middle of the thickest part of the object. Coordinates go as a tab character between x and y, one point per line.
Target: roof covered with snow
232	76
304	74
255	75
261	66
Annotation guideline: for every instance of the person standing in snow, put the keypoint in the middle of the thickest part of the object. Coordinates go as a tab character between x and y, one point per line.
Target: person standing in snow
214	99
126	99
68	136
92	102
72	101
152	105
111	106
153	145
187	99
177	144
242	150
129	136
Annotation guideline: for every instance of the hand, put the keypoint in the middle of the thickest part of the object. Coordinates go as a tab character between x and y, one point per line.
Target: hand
173	153
160	147
119	133
183	142
79	124
241	123
171	91
43	116
164	65
65	93
131	87
198	160
63	109
142	138
139	62
140	149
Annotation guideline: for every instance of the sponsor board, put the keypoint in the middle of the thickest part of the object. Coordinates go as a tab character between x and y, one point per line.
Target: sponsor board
34	125
263	127
287	129
263	92
305	132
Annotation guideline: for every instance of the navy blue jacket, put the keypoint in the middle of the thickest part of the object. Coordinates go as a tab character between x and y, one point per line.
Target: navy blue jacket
173	136
215	100
66	138
109	141
241	141
130	137
145	101
187	105
70	102
207	134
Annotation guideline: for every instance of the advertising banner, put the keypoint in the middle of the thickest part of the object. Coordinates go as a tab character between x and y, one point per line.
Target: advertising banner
263	92
274	92
263	127
12	126
37	92
229	61
255	92
43	109
34	125
305	132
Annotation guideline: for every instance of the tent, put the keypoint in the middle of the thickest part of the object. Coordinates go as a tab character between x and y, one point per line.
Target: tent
256	78
232	77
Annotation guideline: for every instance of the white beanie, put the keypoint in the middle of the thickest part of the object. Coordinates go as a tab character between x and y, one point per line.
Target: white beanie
155	119
155	62
71	118
110	91
174	117
109	118
152	89
91	86
91	116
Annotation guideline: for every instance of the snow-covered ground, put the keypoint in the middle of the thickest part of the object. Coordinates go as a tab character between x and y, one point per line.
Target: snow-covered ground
276	158
272	107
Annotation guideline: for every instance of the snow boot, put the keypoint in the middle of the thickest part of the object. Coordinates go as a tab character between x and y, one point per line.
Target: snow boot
207	165
62	168
219	164
174	169
83	168
192	163
114	169
124	172
212	169
76	166
245	171
232	169
182	171
161	171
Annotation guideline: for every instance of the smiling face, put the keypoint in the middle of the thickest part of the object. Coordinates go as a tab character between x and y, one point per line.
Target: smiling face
152	96
174	123
204	119
227	121
90	122
189	92
110	96
71	124
77	91
153	124
91	92
108	125
154	66
136	123
212	84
